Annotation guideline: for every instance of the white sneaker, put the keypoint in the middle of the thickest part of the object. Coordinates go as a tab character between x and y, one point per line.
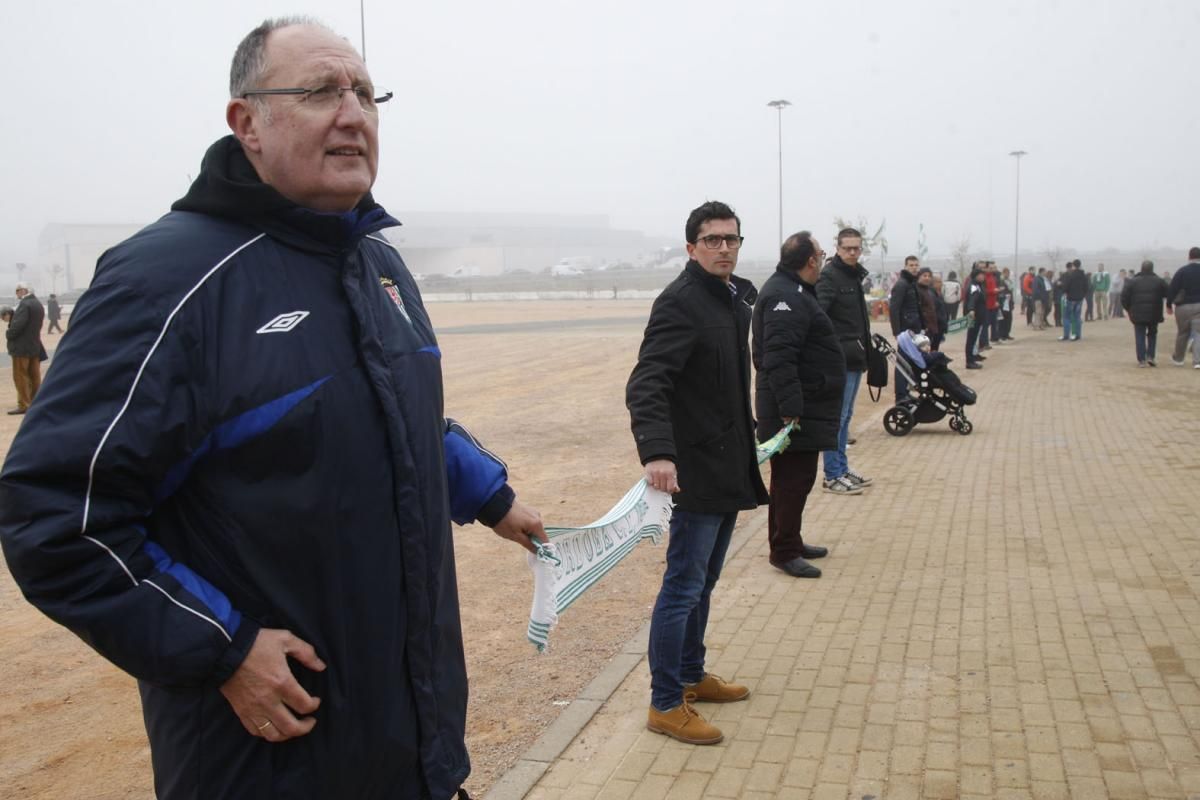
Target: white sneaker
1196	365
841	486
856	479
1178	363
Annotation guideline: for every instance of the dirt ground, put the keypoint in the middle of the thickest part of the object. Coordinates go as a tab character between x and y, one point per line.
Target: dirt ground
542	384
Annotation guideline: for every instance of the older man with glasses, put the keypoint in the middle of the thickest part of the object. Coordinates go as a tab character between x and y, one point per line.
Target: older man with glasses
249	500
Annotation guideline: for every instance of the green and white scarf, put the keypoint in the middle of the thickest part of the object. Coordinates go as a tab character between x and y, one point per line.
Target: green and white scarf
577	558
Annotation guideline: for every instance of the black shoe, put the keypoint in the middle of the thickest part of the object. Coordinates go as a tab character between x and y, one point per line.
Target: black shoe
974	365
813	551
980	358
16	411
799	568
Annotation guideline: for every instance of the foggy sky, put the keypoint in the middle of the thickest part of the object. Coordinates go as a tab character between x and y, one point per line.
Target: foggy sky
642	110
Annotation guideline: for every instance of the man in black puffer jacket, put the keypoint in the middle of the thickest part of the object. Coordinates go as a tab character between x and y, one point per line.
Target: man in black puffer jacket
801	374
1143	298
840	293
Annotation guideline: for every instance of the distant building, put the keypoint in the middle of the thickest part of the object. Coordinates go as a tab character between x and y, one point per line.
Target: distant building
432	243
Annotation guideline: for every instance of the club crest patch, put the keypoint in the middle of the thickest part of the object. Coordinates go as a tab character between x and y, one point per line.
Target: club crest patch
393	292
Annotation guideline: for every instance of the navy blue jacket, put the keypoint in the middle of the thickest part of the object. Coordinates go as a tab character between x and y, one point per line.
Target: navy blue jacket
249	432
1185	285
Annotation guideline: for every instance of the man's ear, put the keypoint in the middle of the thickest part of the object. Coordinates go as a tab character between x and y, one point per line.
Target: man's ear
244	123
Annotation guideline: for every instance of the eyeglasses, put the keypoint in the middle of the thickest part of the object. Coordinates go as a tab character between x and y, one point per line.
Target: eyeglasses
329	97
713	241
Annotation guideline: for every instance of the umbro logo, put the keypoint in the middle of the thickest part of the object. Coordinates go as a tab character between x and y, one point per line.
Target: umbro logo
782	306
284	322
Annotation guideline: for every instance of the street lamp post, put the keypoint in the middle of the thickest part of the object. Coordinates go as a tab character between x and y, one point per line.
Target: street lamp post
1017	225
780	105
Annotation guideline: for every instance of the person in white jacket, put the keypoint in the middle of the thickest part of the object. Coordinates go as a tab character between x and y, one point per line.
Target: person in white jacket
952	294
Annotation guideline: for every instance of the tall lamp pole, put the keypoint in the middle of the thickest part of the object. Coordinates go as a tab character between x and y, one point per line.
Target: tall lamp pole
362	24
780	105
1017	227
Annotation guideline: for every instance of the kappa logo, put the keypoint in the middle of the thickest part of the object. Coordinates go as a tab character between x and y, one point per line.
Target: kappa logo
284	322
782	306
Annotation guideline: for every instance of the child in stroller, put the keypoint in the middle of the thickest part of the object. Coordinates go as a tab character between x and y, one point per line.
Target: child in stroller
934	391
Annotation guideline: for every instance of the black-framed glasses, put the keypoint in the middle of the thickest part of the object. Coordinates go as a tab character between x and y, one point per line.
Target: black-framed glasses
713	241
329	96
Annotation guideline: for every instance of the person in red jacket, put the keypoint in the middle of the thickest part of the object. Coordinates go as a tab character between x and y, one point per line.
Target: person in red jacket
991	287
1027	295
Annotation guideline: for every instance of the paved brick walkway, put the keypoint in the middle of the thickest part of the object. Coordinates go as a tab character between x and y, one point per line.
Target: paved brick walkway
1011	614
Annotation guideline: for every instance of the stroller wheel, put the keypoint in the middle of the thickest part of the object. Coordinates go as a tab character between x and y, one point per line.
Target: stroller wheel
954	423
898	421
964	428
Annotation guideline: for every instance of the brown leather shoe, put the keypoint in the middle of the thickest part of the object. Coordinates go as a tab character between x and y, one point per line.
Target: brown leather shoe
684	724
714	689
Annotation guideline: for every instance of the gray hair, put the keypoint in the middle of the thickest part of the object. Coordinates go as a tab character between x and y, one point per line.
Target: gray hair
250	58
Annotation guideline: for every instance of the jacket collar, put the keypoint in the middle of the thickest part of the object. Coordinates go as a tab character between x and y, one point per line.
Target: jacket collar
742	289
858	271
229	187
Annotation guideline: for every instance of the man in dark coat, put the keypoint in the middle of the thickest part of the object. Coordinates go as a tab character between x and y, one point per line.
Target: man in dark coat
248	500
1075	290
840	293
53	314
904	309
689	406
25	347
801	373
1142	298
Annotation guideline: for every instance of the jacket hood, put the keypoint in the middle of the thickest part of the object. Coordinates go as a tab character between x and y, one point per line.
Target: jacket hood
229	187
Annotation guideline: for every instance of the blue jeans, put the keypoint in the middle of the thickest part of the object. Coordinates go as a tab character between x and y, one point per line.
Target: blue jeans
835	461
1145	339
695	555
1072	322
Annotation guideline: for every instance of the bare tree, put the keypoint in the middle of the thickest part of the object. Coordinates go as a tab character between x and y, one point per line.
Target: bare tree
961	253
1055	254
869	243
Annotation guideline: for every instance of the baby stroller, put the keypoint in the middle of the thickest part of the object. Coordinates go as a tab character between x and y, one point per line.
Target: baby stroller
933	389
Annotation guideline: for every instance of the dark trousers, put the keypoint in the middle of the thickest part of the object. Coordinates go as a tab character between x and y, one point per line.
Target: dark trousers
1145	340
792	477
53	327
1058	313
972	338
953	309
1006	325
1029	310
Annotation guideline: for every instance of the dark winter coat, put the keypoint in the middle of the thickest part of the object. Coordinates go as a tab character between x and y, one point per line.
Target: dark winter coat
53	310
800	369
248	432
689	393
840	293
904	305
1075	285
975	301
1040	290
1143	298
25	331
